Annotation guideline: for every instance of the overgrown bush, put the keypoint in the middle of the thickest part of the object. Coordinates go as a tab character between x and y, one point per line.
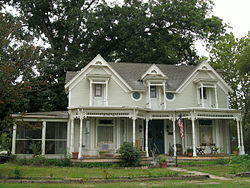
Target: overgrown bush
130	155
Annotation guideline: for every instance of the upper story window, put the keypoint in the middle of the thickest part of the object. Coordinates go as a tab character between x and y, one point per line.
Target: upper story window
153	92
204	93
98	90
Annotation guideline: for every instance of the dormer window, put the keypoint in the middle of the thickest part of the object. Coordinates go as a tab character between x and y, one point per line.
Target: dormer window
204	93
98	89
153	93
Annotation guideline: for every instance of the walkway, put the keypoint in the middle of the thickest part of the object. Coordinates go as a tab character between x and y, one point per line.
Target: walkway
198	173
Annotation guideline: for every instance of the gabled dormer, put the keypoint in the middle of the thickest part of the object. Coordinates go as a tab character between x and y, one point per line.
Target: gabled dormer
155	80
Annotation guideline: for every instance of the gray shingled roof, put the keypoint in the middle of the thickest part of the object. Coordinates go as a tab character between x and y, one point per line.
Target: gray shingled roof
132	72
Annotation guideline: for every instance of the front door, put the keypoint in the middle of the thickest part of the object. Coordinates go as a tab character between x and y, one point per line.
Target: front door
156	136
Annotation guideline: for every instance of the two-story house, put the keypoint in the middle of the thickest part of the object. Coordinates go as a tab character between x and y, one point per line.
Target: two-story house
113	103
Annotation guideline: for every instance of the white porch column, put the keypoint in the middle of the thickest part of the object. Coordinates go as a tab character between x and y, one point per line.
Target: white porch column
118	134
80	140
71	135
242	140
193	134
13	149
68	137
146	138
134	118
43	137
238	135
174	135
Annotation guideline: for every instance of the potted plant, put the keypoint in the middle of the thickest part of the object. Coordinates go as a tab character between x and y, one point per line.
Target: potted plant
235	150
190	152
162	161
75	155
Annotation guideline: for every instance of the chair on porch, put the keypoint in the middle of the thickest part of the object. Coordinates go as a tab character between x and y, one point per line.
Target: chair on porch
201	149
214	149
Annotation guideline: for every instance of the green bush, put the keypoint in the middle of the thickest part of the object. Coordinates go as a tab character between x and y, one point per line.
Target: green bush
240	163
130	155
17	173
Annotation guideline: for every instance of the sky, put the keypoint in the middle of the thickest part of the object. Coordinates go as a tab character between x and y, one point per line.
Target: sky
235	13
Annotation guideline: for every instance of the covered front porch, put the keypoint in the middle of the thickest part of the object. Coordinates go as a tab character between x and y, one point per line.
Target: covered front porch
89	132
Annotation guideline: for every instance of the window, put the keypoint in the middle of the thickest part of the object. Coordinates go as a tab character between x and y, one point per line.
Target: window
170	96
29	138
56	138
105	134
204	93
136	96
153	91
98	90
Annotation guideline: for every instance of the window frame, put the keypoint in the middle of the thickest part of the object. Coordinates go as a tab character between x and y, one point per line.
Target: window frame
96	91
153	90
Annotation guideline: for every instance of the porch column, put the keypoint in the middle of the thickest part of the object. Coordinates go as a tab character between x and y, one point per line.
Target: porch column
43	137
174	136
71	135
146	138
80	140
193	134
13	149
149	101
68	137
242	141
134	118
238	135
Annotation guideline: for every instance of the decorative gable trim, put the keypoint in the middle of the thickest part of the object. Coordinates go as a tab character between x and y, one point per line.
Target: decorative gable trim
204	66
154	71
98	61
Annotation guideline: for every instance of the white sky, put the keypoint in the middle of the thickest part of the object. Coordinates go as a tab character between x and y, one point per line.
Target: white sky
235	13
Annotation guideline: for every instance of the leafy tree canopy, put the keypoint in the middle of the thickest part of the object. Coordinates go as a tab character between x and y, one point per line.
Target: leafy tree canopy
157	31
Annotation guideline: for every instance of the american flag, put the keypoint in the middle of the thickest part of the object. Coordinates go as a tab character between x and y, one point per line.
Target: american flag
180	124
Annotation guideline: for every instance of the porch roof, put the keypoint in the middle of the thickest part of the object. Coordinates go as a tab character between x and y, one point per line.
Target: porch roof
40	115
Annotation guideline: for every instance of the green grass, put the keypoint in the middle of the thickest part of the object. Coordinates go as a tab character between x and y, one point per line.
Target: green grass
237	182
208	162
7	170
218	170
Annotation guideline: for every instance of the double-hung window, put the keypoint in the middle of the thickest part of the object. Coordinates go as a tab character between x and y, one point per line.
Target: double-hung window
98	89
153	92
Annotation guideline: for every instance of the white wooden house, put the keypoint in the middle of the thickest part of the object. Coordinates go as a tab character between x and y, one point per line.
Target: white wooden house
113	103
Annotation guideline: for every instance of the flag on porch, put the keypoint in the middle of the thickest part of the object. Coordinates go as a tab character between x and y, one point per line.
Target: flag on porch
180	124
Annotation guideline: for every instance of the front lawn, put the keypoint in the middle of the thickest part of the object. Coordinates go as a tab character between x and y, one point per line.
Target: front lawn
237	182
7	170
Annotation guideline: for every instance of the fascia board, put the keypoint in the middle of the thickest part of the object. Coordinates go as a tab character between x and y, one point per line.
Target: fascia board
92	63
154	66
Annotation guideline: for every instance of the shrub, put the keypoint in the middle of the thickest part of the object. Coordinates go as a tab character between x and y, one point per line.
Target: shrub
130	155
17	173
38	160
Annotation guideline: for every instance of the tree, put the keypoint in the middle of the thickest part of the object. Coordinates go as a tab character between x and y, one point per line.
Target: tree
232	56
160	31
17	59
